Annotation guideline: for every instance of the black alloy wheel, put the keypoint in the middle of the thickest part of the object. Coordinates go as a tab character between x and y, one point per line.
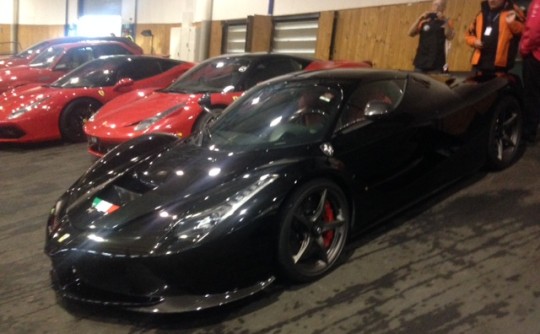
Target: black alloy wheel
74	116
314	226
505	134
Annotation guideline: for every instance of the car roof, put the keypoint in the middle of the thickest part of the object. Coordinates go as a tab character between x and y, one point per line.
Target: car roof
261	55
149	57
67	46
345	74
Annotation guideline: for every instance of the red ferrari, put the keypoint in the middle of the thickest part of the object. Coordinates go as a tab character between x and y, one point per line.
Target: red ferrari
26	55
37	112
57	60
210	86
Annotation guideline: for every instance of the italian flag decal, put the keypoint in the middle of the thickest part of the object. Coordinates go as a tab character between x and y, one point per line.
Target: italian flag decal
104	206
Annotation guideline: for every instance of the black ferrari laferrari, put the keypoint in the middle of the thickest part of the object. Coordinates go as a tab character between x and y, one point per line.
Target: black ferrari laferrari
274	187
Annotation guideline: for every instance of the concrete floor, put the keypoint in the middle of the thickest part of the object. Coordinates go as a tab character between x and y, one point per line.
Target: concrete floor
465	264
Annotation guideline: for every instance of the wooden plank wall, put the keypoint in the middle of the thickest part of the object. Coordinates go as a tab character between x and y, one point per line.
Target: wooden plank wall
162	38
32	34
380	34
216	38
6	45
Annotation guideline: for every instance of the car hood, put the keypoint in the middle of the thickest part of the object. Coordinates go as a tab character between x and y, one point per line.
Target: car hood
132	113
24	96
15	74
13	61
186	176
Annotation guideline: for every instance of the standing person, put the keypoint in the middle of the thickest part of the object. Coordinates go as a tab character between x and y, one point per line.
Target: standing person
494	35
530	51
434	30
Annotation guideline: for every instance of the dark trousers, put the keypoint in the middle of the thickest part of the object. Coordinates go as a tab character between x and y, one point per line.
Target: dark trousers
531	83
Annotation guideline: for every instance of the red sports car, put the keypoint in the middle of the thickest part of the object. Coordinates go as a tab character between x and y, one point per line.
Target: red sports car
37	112
210	86
25	56
57	60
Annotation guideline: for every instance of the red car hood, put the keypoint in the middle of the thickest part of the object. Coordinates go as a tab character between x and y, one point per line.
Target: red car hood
116	116
24	96
13	61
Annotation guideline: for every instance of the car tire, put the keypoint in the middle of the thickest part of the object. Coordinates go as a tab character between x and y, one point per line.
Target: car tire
505	134
314	226
206	118
73	117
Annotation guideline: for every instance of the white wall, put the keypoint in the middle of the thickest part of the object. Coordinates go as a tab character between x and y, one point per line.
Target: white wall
50	12
128	11
160	11
240	9
6	14
288	7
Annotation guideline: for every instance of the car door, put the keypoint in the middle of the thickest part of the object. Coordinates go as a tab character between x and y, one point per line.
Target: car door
380	142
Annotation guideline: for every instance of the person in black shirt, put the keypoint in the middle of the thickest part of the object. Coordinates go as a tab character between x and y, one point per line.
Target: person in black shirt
434	30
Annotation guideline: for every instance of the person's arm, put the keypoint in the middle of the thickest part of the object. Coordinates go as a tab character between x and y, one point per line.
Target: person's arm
470	35
449	31
415	27
515	22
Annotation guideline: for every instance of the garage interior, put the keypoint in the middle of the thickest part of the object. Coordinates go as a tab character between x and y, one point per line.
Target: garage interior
463	263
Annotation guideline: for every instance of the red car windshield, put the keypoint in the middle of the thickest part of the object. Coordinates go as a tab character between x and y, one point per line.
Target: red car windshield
221	75
97	73
47	57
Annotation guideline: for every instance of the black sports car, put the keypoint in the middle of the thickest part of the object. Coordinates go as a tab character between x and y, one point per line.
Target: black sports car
274	187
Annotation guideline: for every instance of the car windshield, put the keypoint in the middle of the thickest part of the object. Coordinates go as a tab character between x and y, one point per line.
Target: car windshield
215	76
47	57
275	116
34	49
97	73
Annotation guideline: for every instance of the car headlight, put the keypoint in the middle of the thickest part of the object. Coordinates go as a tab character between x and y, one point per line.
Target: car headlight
192	228
145	124
24	109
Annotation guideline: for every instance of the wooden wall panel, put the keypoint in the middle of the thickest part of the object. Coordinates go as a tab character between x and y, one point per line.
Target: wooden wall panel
324	35
380	34
162	38
259	34
216	39
6	42
29	35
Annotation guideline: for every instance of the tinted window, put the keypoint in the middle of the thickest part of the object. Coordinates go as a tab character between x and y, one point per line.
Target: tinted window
280	115
271	68
75	58
216	75
97	73
139	69
110	49
389	92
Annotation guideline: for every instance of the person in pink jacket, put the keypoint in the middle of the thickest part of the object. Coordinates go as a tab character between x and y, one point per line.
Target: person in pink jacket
530	51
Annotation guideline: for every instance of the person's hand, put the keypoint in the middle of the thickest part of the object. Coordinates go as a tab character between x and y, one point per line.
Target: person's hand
511	16
478	44
440	15
423	16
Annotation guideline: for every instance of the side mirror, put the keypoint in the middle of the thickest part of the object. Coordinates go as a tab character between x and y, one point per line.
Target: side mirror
377	109
205	102
124	85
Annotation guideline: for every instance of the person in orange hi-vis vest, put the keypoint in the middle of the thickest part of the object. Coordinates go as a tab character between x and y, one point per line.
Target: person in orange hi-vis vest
494	34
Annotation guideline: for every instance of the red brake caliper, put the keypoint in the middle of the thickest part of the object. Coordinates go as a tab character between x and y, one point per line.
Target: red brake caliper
328	216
